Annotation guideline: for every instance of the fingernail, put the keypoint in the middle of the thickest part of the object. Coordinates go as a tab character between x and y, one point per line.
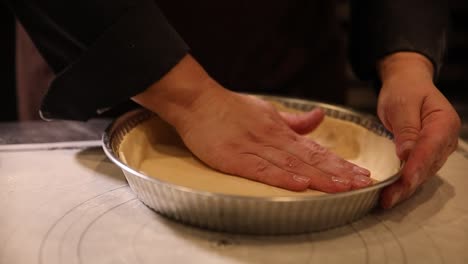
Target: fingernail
339	180
361	180
302	179
395	198
361	171
407	145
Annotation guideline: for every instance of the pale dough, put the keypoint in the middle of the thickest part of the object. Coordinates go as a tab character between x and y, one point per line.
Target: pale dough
154	148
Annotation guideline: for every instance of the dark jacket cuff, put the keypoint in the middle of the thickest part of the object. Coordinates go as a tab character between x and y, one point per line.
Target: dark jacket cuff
380	28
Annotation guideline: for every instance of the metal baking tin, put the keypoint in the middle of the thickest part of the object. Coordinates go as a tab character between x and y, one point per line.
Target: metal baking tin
249	215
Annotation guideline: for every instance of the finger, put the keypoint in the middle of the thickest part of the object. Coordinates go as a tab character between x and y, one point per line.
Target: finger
334	162
441	158
391	195
403	119
320	180
254	167
427	157
325	161
303	123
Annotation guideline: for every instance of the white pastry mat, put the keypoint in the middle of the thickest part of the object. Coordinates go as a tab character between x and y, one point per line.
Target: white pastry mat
67	203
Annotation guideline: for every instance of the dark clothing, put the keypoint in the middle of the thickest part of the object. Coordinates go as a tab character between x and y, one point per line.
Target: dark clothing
382	27
105	51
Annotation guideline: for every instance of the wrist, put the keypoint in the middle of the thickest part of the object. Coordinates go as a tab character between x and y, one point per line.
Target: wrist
406	65
177	94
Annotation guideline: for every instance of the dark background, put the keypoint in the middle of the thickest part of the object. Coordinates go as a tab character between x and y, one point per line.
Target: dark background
7	66
454	76
453	81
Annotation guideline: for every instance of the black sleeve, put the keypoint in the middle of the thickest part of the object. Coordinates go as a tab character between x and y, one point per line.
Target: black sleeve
382	27
102	51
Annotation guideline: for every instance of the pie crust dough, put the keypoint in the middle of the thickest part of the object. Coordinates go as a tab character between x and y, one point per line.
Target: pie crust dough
154	148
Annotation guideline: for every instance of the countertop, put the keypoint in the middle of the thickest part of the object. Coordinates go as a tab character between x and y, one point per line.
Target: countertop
65	202
53	131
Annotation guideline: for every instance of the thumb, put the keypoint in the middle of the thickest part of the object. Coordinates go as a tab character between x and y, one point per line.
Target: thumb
303	123
403	119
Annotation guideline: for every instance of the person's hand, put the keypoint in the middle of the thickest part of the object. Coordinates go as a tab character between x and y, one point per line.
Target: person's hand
424	123
244	136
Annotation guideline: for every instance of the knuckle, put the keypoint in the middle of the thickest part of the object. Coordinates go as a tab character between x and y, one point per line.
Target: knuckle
408	132
291	162
341	164
316	154
260	170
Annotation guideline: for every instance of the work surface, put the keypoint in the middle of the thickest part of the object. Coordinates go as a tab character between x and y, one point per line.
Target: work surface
67	203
